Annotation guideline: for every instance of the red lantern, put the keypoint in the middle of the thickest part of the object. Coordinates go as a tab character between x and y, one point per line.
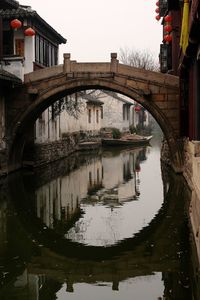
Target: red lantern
157	17
168	38
29	32
15	24
137	169
137	108
157	10
167	28
157	3
168	18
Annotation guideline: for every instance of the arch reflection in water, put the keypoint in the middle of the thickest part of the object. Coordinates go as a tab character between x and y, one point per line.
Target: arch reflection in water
147	264
101	199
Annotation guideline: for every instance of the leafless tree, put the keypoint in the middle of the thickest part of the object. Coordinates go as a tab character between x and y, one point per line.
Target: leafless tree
73	104
143	59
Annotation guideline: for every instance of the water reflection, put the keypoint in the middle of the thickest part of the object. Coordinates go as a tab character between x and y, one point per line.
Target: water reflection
44	229
94	192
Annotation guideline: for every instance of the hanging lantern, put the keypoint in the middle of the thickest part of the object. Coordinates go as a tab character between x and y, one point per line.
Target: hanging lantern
157	17
157	3
137	108
168	18
29	32
137	168
168	38
15	24
157	10
167	28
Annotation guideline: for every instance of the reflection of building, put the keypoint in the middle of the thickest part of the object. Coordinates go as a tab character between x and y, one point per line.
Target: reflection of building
111	178
60	199
33	287
123	181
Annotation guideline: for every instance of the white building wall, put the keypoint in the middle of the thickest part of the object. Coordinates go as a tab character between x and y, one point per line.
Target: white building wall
29	53
113	113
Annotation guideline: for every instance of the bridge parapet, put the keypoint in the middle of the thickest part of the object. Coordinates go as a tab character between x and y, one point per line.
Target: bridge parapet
71	66
157	92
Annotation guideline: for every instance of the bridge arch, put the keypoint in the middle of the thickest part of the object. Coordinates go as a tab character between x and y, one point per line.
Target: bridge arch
148	89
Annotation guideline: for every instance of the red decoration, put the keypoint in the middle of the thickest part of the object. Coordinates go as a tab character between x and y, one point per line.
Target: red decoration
157	17
137	168
29	32
157	10
15	24
157	3
137	108
168	18
167	28
168	38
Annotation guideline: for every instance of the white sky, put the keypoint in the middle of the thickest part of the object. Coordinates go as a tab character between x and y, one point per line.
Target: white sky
95	28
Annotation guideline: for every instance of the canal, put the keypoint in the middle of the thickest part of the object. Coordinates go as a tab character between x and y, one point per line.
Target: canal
110	224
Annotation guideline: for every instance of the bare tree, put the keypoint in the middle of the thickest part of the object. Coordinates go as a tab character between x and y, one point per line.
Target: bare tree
73	104
143	59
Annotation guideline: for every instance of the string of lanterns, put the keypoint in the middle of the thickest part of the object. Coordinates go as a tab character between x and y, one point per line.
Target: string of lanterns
167	27
16	24
157	10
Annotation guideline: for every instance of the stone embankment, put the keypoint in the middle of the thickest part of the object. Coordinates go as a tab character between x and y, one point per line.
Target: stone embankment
191	173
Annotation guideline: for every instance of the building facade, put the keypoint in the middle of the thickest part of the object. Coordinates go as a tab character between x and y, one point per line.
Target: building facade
121	112
180	55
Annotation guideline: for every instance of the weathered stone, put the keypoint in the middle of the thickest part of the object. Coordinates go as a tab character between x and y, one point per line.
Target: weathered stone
50	84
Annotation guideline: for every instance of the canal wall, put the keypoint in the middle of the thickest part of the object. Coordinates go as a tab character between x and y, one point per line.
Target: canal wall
191	173
45	153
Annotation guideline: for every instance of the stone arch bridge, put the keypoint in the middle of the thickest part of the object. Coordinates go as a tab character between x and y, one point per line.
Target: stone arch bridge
157	92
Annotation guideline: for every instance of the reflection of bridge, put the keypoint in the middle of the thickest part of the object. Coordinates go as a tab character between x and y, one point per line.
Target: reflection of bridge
148	251
158	93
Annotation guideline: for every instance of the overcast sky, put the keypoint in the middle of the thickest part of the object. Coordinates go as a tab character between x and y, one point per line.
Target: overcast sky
95	28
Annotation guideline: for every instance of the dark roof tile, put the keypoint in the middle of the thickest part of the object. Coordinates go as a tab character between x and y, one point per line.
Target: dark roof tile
27	11
7	76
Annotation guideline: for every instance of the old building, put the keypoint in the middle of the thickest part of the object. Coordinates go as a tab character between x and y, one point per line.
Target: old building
180	56
27	43
121	112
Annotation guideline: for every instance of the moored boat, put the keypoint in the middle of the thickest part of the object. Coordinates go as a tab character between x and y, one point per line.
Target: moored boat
127	140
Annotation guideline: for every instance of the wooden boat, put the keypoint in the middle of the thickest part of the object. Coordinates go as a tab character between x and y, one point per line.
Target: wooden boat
127	141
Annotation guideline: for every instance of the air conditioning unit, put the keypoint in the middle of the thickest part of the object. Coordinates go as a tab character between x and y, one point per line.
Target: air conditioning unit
163	6
165	57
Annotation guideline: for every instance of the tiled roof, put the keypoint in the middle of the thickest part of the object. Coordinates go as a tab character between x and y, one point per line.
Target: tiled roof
6	76
9	3
27	12
16	13
92	99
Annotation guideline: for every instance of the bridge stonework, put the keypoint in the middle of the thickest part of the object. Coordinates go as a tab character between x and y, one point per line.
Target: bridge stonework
157	92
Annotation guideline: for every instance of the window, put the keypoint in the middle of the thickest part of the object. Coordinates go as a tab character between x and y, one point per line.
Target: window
124	111
97	116
89	115
19	47
101	112
46	53
128	112
90	177
8	42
